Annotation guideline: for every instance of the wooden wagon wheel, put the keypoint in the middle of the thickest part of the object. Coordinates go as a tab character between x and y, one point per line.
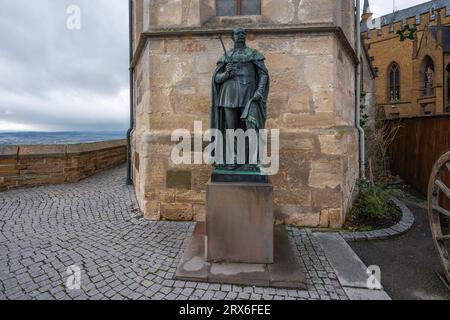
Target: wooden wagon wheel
439	217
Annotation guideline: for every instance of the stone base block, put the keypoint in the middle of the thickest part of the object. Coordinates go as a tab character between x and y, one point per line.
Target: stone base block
239	222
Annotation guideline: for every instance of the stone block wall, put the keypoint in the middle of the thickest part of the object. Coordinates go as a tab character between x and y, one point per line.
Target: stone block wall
311	101
172	14
34	165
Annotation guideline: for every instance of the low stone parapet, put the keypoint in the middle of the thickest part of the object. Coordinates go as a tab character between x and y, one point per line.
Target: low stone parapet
34	165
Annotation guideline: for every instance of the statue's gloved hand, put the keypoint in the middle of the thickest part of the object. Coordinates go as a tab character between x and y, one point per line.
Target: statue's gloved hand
230	70
258	96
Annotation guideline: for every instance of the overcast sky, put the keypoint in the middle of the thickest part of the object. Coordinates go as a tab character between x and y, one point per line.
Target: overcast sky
382	7
53	78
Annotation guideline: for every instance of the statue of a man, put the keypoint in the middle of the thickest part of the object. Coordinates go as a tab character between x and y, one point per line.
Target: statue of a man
240	88
429	74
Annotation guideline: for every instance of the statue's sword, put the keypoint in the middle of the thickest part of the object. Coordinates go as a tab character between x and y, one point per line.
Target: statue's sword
227	58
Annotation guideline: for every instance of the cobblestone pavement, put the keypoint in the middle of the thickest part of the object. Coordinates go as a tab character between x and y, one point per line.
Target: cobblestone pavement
93	224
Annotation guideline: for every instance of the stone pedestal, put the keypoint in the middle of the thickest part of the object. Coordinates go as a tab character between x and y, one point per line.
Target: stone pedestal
239	222
285	272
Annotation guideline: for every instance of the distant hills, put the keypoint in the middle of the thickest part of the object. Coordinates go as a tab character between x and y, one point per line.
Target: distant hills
15	138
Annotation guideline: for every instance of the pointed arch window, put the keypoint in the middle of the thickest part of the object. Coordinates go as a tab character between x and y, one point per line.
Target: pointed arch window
394	82
238	7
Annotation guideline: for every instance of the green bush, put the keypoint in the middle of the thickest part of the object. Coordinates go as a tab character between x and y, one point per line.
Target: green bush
373	208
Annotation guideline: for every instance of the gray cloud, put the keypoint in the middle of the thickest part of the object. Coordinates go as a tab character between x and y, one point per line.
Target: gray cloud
53	78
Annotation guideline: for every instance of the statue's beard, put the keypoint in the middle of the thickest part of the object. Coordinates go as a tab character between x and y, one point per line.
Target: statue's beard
240	44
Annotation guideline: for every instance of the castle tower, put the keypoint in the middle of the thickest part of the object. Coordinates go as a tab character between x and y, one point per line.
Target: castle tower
367	14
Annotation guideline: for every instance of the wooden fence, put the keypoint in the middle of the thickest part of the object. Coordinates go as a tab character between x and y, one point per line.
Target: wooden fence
419	143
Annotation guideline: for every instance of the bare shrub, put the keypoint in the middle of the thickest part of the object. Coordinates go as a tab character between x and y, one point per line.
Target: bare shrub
378	143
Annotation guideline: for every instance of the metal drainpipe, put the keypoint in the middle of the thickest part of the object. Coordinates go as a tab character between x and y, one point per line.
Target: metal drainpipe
362	144
130	130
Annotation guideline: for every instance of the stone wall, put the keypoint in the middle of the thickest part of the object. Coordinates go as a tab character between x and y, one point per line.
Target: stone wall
35	165
311	101
195	13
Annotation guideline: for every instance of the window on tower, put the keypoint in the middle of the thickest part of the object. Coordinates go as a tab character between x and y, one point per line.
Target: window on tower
238	7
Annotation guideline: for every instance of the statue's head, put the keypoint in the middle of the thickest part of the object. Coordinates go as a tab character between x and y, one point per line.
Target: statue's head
238	35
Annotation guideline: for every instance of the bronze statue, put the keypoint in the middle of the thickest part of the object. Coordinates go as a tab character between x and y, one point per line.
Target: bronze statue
240	88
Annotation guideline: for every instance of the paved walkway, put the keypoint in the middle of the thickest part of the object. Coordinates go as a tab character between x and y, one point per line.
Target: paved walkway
93	225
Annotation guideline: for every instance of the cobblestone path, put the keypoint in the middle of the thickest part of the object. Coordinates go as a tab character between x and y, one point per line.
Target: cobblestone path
94	226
